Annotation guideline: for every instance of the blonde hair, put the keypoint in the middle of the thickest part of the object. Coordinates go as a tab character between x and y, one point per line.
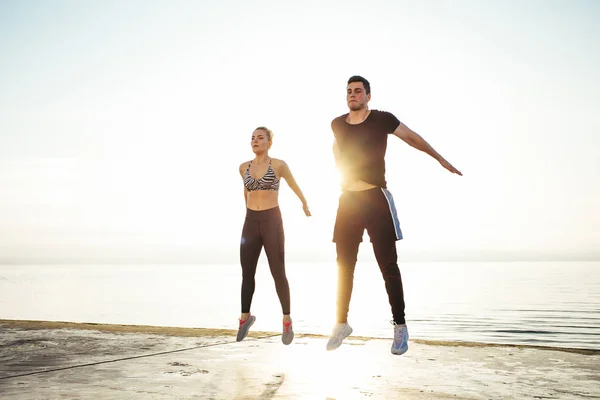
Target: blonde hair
269	132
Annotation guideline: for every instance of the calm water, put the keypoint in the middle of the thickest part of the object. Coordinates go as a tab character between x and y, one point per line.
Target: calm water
538	303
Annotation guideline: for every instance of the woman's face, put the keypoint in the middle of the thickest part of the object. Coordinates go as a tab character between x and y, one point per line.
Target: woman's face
260	141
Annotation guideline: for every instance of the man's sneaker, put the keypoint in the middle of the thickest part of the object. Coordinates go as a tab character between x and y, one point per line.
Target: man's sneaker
341	331
245	327
400	344
288	333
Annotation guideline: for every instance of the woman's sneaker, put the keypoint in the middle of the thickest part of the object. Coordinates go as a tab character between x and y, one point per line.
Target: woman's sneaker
400	344
245	327
288	333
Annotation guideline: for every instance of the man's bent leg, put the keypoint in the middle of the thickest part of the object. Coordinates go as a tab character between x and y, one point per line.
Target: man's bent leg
385	253
347	252
346	259
347	235
387	259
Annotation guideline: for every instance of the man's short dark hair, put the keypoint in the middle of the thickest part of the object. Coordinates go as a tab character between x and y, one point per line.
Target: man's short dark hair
358	78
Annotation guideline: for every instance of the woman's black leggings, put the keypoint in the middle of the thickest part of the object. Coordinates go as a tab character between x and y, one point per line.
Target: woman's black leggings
263	228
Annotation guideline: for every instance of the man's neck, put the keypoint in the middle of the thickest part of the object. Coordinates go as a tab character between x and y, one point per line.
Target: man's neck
358	116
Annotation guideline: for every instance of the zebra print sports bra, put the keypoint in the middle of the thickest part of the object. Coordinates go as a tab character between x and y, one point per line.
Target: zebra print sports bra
269	180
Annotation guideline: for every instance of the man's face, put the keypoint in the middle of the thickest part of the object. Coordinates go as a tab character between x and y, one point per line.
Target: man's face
356	96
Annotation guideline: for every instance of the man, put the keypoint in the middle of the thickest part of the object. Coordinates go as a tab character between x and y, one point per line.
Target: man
365	203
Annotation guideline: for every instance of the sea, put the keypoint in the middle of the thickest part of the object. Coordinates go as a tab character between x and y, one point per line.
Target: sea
553	304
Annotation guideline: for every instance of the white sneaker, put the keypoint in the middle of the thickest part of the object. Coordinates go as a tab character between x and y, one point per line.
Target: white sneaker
340	332
400	344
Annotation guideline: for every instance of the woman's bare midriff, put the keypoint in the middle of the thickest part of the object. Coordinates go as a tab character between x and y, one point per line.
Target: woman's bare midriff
259	200
358	186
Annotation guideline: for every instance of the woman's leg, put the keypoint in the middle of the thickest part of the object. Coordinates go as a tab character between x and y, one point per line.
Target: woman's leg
274	242
250	248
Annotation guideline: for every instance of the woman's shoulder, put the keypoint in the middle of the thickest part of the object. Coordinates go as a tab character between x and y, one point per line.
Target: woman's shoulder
277	162
244	165
280	167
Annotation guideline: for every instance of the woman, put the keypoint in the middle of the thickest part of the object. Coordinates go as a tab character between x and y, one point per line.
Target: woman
263	227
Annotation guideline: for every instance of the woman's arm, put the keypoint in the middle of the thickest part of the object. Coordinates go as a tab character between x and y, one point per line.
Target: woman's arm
286	174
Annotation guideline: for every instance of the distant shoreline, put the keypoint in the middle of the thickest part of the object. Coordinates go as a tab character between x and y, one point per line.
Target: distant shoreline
212	332
406	258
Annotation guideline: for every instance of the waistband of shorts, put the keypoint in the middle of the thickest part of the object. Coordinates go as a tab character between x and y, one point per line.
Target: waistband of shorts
362	193
263	215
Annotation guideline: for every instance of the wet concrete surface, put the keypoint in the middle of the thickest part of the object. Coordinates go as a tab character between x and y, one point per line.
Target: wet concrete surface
45	360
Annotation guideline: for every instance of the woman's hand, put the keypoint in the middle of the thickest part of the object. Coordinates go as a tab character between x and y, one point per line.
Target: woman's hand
306	210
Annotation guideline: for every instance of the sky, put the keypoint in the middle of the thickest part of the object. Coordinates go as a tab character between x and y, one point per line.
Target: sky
123	123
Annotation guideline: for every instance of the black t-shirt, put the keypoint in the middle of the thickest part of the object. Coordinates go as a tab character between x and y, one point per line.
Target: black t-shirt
362	146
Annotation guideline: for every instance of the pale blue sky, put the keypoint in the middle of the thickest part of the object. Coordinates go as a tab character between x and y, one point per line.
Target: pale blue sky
122	123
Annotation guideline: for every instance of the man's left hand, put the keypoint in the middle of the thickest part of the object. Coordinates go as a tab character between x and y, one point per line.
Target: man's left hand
449	167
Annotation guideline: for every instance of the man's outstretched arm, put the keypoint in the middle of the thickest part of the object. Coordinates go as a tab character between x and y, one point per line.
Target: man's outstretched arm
415	140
